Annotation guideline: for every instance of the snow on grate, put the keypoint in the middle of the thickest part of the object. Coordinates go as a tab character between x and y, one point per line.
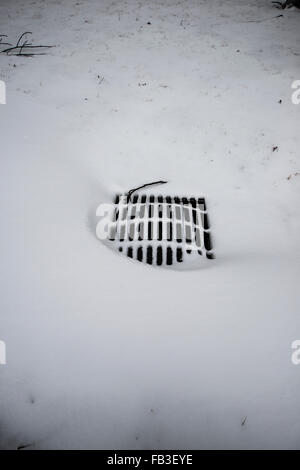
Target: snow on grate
160	230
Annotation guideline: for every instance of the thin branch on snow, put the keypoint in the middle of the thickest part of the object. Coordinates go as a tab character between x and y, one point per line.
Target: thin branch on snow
143	186
265	19
4	43
22	35
22	47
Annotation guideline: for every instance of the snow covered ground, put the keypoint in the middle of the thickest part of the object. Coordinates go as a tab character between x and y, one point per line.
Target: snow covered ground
104	352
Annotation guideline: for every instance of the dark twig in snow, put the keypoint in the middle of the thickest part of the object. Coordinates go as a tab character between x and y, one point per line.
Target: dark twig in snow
22	35
23	446
265	19
295	174
143	186
4	43
22	47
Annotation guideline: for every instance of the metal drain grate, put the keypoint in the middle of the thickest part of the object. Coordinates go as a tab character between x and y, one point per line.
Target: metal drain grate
160	230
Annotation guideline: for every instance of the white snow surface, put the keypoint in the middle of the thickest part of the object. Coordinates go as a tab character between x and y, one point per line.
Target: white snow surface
105	352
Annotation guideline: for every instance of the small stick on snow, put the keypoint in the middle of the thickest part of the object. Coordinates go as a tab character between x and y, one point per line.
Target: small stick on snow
22	47
265	19
143	186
